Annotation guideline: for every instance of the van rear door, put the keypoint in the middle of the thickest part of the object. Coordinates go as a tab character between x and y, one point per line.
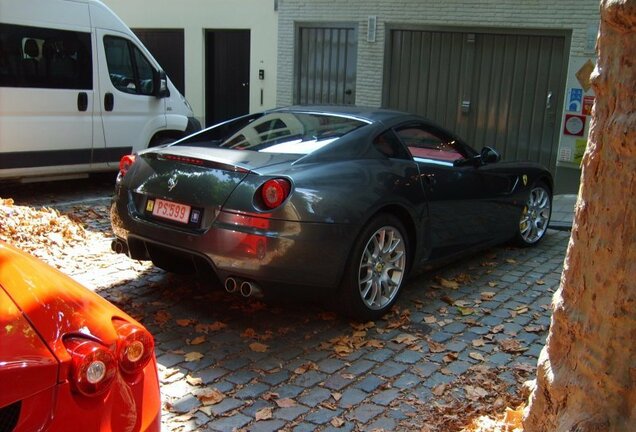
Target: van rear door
131	114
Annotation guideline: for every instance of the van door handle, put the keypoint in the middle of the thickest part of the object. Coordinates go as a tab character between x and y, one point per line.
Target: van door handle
109	101
82	101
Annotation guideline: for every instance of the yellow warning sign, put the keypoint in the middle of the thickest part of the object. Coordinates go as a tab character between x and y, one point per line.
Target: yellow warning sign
583	75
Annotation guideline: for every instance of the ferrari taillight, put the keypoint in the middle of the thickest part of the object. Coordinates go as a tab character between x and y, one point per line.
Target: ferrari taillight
125	163
274	192
93	366
134	347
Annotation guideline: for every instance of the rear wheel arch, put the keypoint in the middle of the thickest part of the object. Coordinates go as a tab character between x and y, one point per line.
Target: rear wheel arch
403	215
165	137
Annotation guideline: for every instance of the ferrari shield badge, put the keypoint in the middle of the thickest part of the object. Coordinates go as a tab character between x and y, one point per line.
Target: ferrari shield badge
525	180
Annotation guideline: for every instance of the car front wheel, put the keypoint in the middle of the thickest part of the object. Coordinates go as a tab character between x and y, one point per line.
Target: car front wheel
535	216
376	269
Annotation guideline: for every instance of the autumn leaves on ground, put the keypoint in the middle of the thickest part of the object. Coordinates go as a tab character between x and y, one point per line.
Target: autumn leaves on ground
480	391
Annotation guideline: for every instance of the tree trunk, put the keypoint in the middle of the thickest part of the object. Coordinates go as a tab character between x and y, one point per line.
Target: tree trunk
586	376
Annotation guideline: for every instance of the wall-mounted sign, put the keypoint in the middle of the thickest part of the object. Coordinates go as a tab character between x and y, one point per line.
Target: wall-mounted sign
588	103
575	100
574	125
584	73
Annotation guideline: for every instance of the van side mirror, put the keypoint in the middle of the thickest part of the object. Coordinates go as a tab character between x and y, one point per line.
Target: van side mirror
160	85
489	155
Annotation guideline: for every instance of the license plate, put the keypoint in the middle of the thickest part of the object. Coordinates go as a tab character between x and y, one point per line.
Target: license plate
170	210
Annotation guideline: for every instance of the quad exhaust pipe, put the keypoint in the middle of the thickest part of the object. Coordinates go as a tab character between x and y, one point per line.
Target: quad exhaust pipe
119	247
245	288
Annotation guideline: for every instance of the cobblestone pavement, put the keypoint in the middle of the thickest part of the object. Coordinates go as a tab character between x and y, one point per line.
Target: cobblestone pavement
228	363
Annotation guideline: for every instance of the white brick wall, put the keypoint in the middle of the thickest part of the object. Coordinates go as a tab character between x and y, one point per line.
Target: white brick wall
574	15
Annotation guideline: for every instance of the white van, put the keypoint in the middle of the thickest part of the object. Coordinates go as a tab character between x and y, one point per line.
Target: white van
78	90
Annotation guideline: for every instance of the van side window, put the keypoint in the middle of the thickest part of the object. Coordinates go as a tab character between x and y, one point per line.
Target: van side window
129	70
45	58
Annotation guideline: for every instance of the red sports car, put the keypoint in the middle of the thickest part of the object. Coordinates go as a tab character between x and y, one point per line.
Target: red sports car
70	360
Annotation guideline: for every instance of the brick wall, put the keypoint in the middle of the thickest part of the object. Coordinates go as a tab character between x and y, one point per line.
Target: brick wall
574	15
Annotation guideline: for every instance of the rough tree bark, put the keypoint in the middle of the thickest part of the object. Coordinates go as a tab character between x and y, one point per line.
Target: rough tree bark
586	376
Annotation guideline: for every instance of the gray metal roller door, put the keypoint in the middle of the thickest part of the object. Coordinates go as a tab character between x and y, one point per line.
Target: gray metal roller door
501	90
326	65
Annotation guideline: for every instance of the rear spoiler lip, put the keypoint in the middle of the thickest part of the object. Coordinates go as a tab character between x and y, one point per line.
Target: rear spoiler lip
198	161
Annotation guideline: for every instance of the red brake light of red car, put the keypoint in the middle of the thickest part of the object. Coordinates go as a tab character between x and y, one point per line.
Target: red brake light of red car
125	163
274	192
135	347
93	366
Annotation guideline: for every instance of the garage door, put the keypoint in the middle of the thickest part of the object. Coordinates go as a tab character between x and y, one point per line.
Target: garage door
326	65
500	90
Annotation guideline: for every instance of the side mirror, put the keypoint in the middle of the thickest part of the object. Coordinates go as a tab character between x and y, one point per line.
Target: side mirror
160	85
489	155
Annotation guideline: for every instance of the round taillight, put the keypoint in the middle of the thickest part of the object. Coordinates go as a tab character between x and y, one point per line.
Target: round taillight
274	192
93	366
125	163
135	347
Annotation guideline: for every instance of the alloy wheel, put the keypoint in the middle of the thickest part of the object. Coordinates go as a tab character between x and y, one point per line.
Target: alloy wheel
382	268
536	215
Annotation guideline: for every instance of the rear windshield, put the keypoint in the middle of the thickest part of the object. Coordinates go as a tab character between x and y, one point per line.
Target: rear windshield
280	132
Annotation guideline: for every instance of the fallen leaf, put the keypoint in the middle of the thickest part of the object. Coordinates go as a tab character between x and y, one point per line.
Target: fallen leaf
478	342
540	282
439	390
185	322
534	328
337	422
446	283
464	311
405	338
450	357
161	317
305	367
336	396
197	340
476	356
475	392
211	397
215	326
264	414
512	346
435	347
269	396
493	284
374	343
258	347
511	261
194	381
249	333
497	329
430	319
193	356
285	403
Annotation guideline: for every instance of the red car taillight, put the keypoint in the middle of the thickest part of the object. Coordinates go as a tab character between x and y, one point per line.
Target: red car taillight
93	366
274	192
125	163
135	347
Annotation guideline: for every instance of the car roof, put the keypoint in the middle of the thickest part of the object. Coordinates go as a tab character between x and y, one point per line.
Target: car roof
370	114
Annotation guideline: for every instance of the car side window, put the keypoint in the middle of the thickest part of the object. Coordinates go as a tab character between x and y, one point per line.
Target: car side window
424	143
390	146
129	70
38	57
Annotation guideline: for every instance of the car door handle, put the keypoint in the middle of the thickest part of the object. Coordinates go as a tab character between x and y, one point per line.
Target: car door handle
82	101
429	179
109	101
